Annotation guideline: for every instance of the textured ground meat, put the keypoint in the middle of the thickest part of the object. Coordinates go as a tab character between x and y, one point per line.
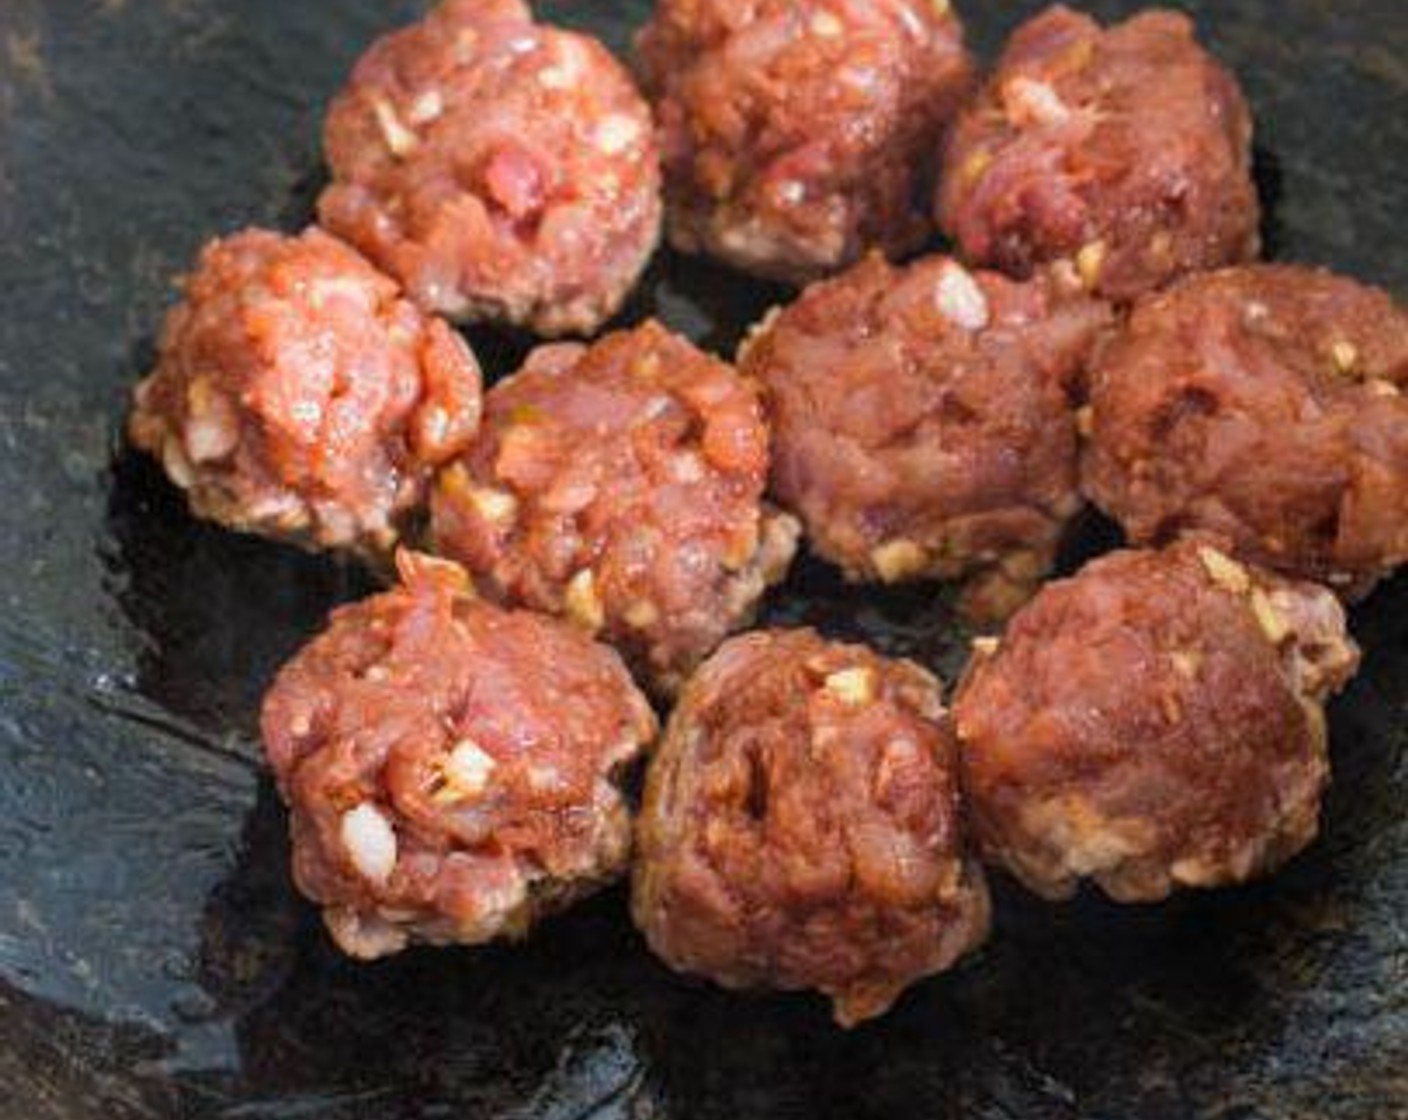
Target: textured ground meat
298	395
502	169
921	425
797	133
802	826
1261	407
621	485
451	768
1154	722
1125	150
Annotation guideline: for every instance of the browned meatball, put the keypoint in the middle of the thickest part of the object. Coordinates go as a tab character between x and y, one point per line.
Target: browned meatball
797	133
920	424
451	768
1263	408
502	169
298	395
1155	722
621	485
802	826
1126	150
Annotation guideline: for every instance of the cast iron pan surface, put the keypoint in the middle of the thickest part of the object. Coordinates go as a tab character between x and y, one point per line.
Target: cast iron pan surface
154	959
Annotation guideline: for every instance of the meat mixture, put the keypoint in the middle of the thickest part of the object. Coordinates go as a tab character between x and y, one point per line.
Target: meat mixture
451	768
1261	407
298	395
802	826
621	485
797	133
1155	722
921	424
1125	151
501	169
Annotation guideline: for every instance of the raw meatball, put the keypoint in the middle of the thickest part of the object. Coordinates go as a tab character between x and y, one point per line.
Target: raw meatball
1261	407
797	133
920	424
298	395
502	169
1155	722
451	767
621	485
802	826
1126	150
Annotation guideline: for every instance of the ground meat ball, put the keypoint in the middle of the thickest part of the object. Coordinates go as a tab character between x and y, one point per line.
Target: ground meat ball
451	767
501	169
1154	722
1125	150
797	133
802	826
298	395
621	485
920	424
1261	407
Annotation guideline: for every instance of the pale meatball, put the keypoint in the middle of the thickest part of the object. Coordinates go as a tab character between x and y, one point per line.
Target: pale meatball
298	395
621	485
502	169
798	133
452	769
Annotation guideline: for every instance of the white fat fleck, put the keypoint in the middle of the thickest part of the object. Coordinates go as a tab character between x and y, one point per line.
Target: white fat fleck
583	603
616	133
212	435
370	842
825	25
494	505
1224	571
399	139
853	686
791	192
687	467
468	768
426	108
1032	100
959	298
178	467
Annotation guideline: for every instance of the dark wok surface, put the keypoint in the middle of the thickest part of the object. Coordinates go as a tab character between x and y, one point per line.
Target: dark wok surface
153	958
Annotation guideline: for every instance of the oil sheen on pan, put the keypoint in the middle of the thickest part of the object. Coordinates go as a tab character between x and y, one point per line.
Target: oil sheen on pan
154	959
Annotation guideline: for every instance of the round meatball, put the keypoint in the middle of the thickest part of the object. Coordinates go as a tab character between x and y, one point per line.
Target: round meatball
1126	151
451	768
921	426
1261	407
1154	722
501	169
298	395
621	485
797	133
802	826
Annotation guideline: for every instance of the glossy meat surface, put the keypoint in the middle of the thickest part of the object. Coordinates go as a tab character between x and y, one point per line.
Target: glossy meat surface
451	768
798	133
502	169
1125	150
802	826
1154	722
621	485
1263	408
921	424
297	394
